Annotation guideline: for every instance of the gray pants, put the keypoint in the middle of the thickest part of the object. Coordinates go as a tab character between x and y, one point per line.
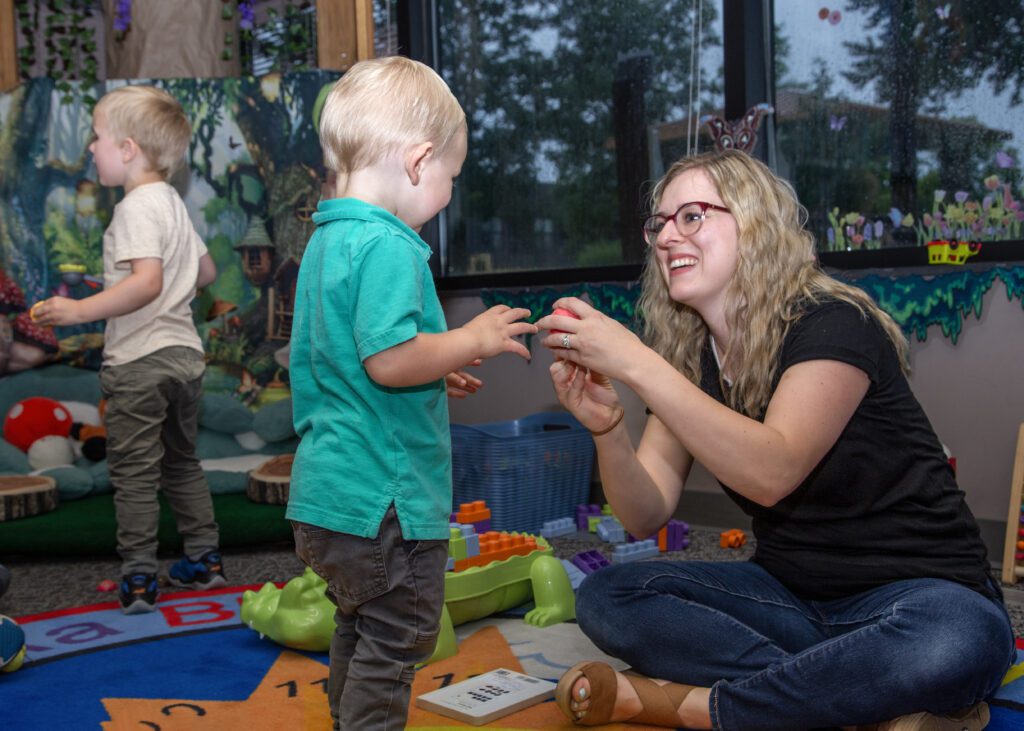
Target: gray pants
388	592
152	419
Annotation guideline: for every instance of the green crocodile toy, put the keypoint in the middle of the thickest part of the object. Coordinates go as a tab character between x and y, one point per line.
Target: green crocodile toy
299	615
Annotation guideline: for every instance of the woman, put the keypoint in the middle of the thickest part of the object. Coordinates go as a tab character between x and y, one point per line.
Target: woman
869	597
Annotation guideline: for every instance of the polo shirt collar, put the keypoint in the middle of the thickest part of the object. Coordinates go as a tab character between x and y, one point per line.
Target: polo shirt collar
334	209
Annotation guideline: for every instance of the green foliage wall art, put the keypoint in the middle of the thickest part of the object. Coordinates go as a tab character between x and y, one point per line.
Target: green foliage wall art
254	152
915	301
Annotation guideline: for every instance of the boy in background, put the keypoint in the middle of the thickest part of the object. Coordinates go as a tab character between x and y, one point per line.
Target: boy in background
371	361
153	261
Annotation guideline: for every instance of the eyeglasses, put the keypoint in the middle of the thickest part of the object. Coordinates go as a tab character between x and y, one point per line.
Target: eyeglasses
688	219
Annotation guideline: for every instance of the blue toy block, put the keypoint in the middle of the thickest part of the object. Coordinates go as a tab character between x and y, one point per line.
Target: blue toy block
627	552
558	527
590	561
575	575
610	530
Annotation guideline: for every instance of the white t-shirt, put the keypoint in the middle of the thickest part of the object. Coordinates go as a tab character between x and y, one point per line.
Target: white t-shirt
151	222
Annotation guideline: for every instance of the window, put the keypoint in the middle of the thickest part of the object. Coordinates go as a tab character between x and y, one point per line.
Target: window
574	108
901	122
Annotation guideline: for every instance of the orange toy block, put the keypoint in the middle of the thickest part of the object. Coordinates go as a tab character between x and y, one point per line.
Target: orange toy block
497	546
732	538
473	512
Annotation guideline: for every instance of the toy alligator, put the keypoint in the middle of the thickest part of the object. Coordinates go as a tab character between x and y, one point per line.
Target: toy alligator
300	616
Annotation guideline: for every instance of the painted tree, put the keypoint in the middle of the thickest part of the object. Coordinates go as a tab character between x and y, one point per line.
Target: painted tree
923	55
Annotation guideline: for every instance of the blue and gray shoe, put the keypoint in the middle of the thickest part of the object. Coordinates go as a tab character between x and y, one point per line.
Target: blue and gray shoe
138	593
206	573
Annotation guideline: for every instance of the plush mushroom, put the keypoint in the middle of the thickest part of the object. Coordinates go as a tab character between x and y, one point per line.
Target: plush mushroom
35	418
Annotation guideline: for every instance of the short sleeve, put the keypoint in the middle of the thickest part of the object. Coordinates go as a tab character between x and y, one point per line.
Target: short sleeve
387	303
836	331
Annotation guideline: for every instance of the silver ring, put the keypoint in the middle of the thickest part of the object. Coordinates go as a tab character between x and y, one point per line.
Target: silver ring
565	341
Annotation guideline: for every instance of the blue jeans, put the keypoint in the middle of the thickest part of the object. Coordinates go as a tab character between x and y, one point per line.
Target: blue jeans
388	592
774	661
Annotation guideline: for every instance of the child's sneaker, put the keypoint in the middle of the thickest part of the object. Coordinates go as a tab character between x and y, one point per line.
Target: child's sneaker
138	593
206	573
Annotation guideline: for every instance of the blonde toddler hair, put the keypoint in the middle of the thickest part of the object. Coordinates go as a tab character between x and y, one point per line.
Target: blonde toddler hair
381	105
151	117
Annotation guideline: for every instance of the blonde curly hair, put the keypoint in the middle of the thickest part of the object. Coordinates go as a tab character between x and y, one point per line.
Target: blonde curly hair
777	276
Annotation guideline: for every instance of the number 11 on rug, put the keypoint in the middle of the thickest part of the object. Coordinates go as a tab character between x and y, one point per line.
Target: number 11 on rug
487	697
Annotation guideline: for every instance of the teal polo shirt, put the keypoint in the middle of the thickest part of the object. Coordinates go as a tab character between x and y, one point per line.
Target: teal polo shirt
365	286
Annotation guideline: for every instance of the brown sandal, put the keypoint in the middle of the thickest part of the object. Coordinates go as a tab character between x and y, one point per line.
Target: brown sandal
660	703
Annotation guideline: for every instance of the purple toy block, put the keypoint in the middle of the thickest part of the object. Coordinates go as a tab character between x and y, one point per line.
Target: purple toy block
676	535
583	512
590	561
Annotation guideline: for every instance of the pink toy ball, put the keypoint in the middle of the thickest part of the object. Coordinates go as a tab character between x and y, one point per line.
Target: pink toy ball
564	313
106	585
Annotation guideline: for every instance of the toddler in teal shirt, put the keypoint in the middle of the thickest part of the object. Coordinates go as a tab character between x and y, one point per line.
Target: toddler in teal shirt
372	364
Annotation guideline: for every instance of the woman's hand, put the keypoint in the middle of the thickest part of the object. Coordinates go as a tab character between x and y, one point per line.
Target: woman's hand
594	340
588	395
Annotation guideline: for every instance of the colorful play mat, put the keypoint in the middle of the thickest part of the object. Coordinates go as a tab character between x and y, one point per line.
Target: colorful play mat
192	665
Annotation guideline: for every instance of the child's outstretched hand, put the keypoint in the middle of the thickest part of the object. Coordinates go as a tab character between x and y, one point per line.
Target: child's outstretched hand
496	329
55	311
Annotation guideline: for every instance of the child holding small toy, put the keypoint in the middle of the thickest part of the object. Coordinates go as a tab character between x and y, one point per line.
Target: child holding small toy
153	261
371	363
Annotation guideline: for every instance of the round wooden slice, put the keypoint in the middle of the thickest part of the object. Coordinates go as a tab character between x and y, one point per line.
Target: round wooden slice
25	495
269	482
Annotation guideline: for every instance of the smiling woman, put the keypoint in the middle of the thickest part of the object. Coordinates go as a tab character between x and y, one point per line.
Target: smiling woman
790	388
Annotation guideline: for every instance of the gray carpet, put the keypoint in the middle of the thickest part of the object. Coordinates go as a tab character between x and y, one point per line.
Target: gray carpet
41	585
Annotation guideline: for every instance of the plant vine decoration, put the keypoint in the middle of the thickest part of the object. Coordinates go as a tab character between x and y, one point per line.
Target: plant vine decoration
70	45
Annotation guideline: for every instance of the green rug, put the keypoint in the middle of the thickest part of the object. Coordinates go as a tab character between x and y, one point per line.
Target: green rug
88	527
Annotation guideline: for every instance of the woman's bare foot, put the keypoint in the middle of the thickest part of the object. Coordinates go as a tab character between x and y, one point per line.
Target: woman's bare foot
693	713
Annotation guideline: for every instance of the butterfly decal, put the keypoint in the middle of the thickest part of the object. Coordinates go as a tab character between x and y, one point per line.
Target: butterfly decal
943	11
836	123
740	134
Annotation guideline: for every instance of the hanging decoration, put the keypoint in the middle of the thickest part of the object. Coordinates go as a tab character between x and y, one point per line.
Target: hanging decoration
740	134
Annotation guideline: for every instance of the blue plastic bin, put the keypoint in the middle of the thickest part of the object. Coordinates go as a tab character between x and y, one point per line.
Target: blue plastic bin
529	470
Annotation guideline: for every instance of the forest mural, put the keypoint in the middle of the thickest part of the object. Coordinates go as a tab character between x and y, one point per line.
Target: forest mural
253	179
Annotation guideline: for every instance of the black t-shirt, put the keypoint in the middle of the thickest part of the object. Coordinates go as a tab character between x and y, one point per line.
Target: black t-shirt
883	504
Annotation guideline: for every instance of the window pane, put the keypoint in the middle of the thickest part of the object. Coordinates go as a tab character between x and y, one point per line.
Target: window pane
552	91
900	122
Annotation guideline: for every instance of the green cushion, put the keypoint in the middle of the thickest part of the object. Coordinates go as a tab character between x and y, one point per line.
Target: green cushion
72	482
13	459
100	478
222	413
273	423
59	382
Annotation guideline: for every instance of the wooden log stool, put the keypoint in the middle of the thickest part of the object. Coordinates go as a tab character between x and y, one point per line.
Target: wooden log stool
269	482
24	495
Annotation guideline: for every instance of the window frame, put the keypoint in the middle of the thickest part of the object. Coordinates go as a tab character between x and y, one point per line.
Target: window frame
749	79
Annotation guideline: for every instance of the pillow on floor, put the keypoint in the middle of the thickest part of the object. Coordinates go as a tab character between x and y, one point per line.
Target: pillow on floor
12	459
273	423
222	413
